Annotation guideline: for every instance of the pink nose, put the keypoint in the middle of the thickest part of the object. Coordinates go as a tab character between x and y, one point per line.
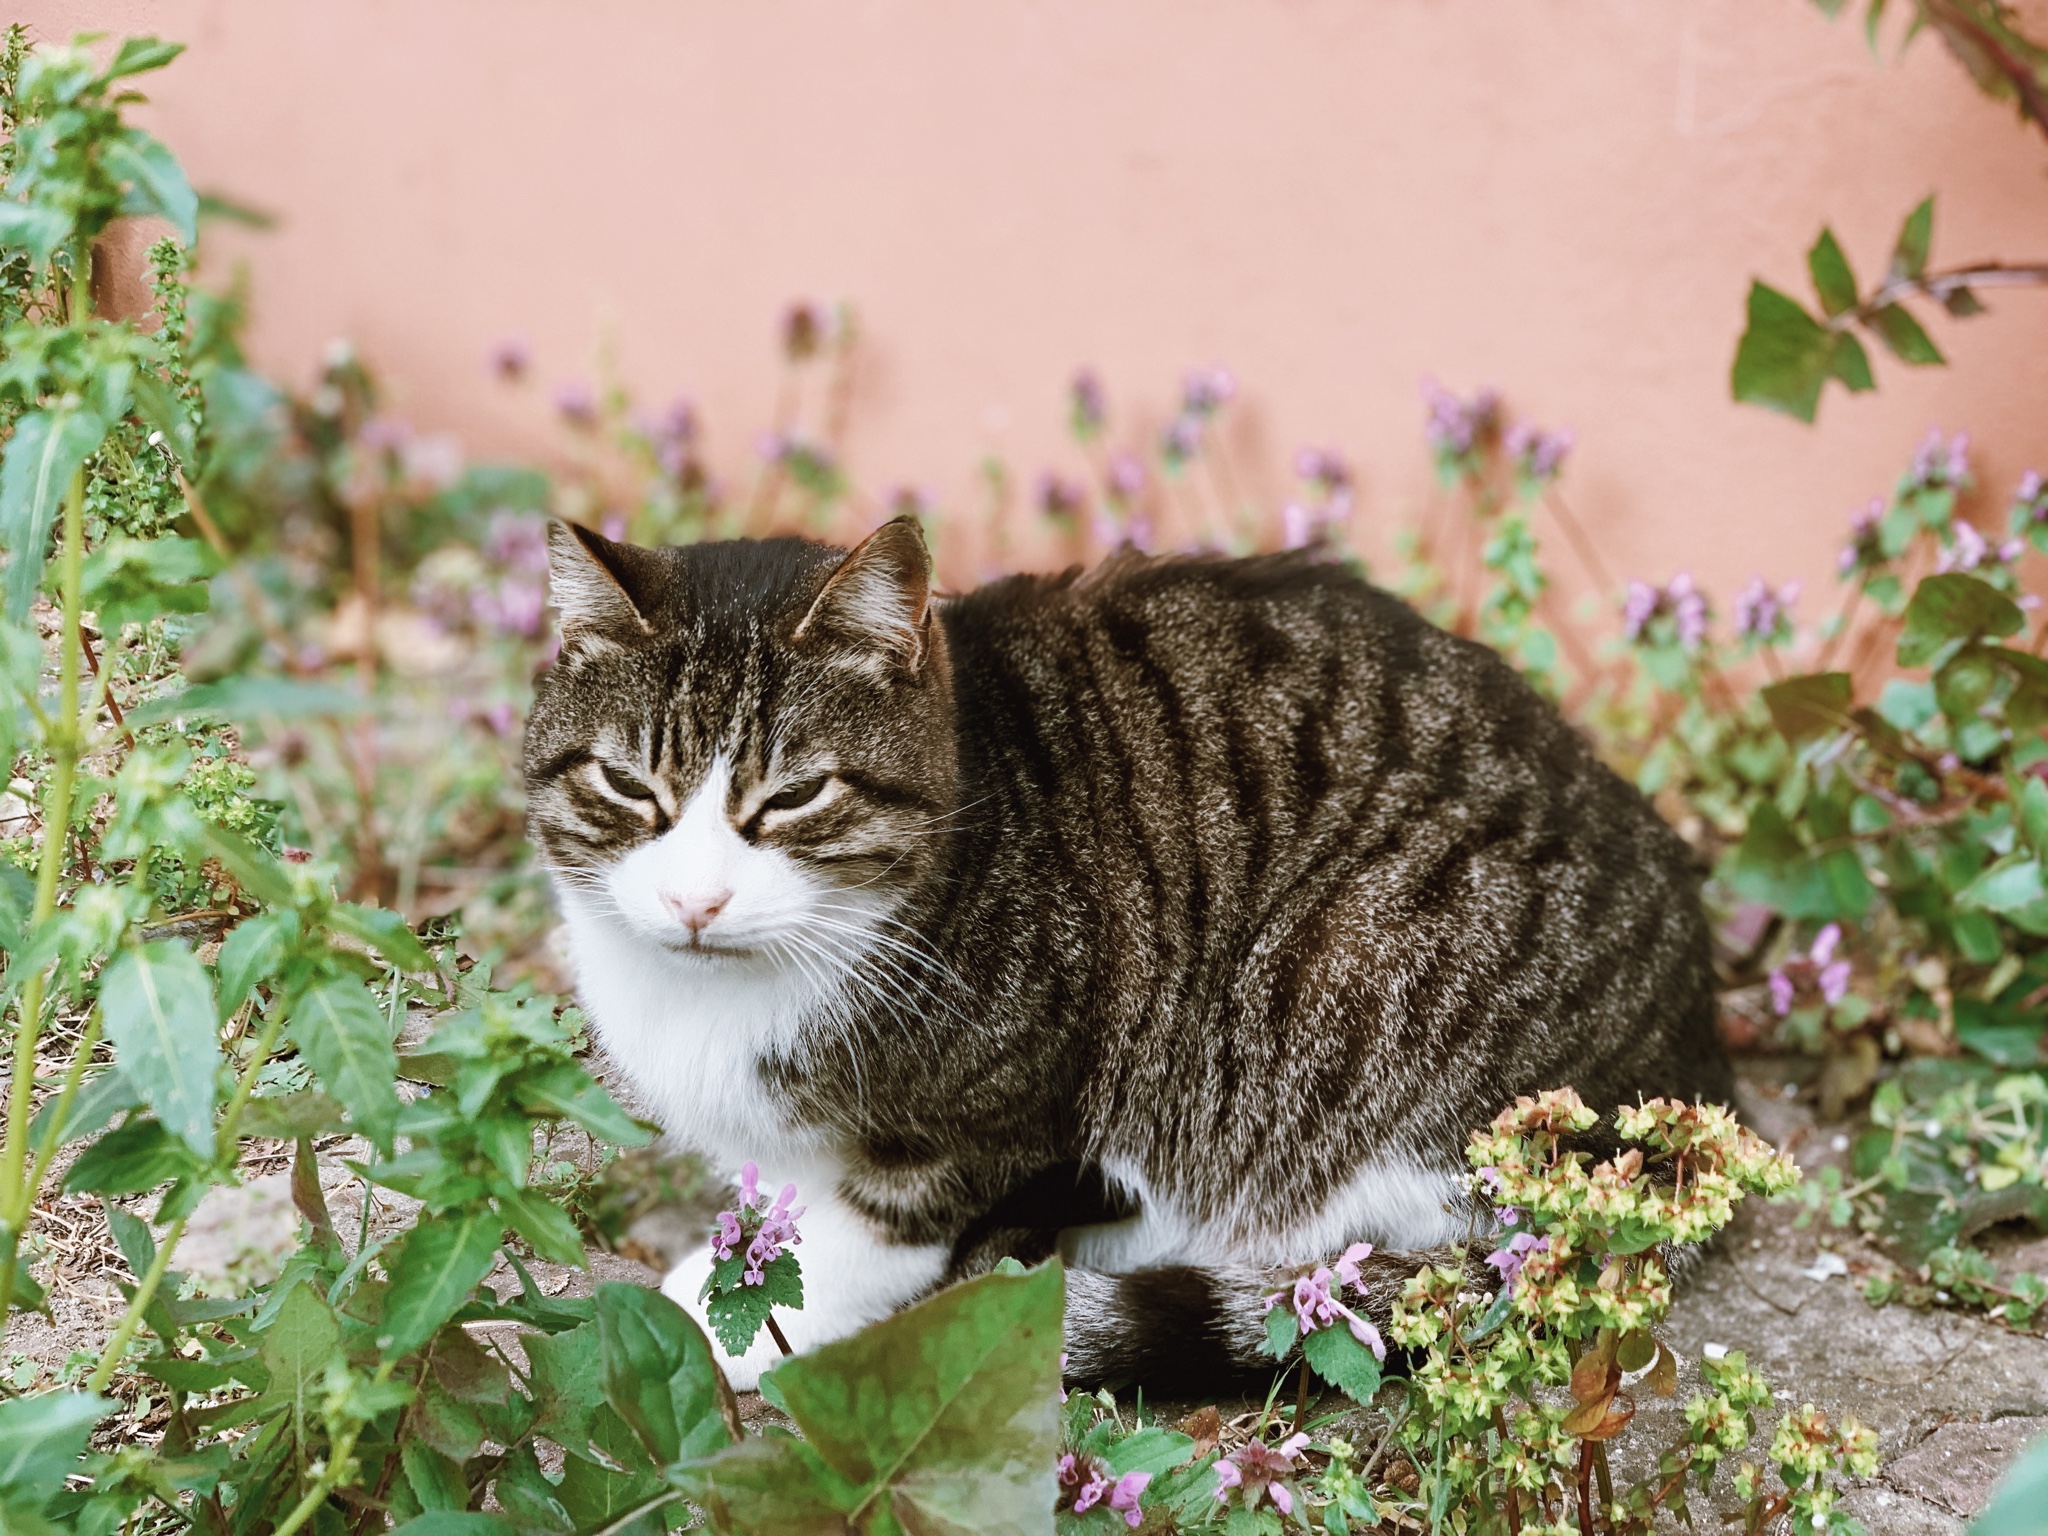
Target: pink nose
695	912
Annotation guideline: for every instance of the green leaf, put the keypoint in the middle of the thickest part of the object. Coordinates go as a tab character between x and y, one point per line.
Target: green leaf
1343	1362
660	1378
457	1522
1916	238
1965	682
943	1417
525	1494
133	1237
134	1157
1851	364
2033	815
2015	1509
436	1481
157	1002
138	56
1813	705
1953	606
2012	882
1771	865
1150	1449
130	581
436	1269
568	1383
544	1225
384	931
1962	303
1832	279
155	184
243	699
36	228
572	1093
46	450
41	1439
255	952
99	1098
297	1349
737	1314
341	1032
1784	357
780	1484
1283	1328
1909	343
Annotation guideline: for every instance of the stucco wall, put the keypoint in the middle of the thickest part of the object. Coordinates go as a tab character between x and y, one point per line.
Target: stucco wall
1565	198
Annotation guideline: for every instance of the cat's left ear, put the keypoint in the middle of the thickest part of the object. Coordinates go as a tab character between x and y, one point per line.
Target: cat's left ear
878	604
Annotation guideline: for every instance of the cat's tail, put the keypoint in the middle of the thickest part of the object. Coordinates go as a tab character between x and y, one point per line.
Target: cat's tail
1187	1328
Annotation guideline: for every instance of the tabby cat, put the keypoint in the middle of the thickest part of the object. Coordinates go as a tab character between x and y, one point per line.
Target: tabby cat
1180	917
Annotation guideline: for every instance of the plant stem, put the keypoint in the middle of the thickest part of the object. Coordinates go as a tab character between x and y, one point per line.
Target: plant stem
775	1333
1585	1489
336	1469
1301	1399
145	1292
17	1194
1500	1424
226	1144
1939	285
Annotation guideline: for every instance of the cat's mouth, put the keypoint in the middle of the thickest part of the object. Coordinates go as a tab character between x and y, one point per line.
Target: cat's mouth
710	949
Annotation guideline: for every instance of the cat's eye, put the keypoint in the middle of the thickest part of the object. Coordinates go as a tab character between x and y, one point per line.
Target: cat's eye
791	796
624	783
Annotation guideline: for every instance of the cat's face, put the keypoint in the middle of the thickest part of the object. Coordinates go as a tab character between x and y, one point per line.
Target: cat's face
745	750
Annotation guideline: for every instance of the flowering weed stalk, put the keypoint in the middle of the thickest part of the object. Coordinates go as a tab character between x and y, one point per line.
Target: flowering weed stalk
753	1272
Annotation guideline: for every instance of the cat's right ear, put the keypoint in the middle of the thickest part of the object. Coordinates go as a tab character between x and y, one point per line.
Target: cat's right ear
602	589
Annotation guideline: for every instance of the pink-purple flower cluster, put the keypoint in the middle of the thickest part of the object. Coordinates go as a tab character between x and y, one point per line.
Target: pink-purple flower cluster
1512	1254
1865	549
1817	969
576	404
1087	406
1967	549
1940	462
1763	613
1317	1299
1456	427
2029	501
1328	505
1206	391
767	1233
1088	1482
1538	455
1679	600
1122	517
1256	1471
1060	497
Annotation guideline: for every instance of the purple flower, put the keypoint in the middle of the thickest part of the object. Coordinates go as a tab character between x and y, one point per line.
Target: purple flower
1060	497
1678	601
1938	463
1538	455
1762	614
1299	527
1087	409
1182	440
1457	428
1966	550
1087	1482
1490	1178
576	403
384	434
613	526
1511	1256
518	543
2029	501
1123	1498
1316	1304
1256	1470
727	1235
516	606
1782	993
1126	477
1323	469
501	718
1865	548
510	359
1206	391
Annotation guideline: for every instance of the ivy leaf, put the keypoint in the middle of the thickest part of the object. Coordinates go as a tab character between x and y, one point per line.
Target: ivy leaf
1813	705
46	449
435	1271
1784	357
155	182
1851	364
568	1384
157	1002
1953	606
1343	1362
341	1032
2033	815
1832	279
434	1478
660	1378
943	1417
1909	343
1916	238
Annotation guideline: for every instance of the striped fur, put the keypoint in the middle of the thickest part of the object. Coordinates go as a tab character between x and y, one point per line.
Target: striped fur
1182	916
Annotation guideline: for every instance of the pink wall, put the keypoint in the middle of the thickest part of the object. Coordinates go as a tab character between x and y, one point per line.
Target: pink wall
1566	198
